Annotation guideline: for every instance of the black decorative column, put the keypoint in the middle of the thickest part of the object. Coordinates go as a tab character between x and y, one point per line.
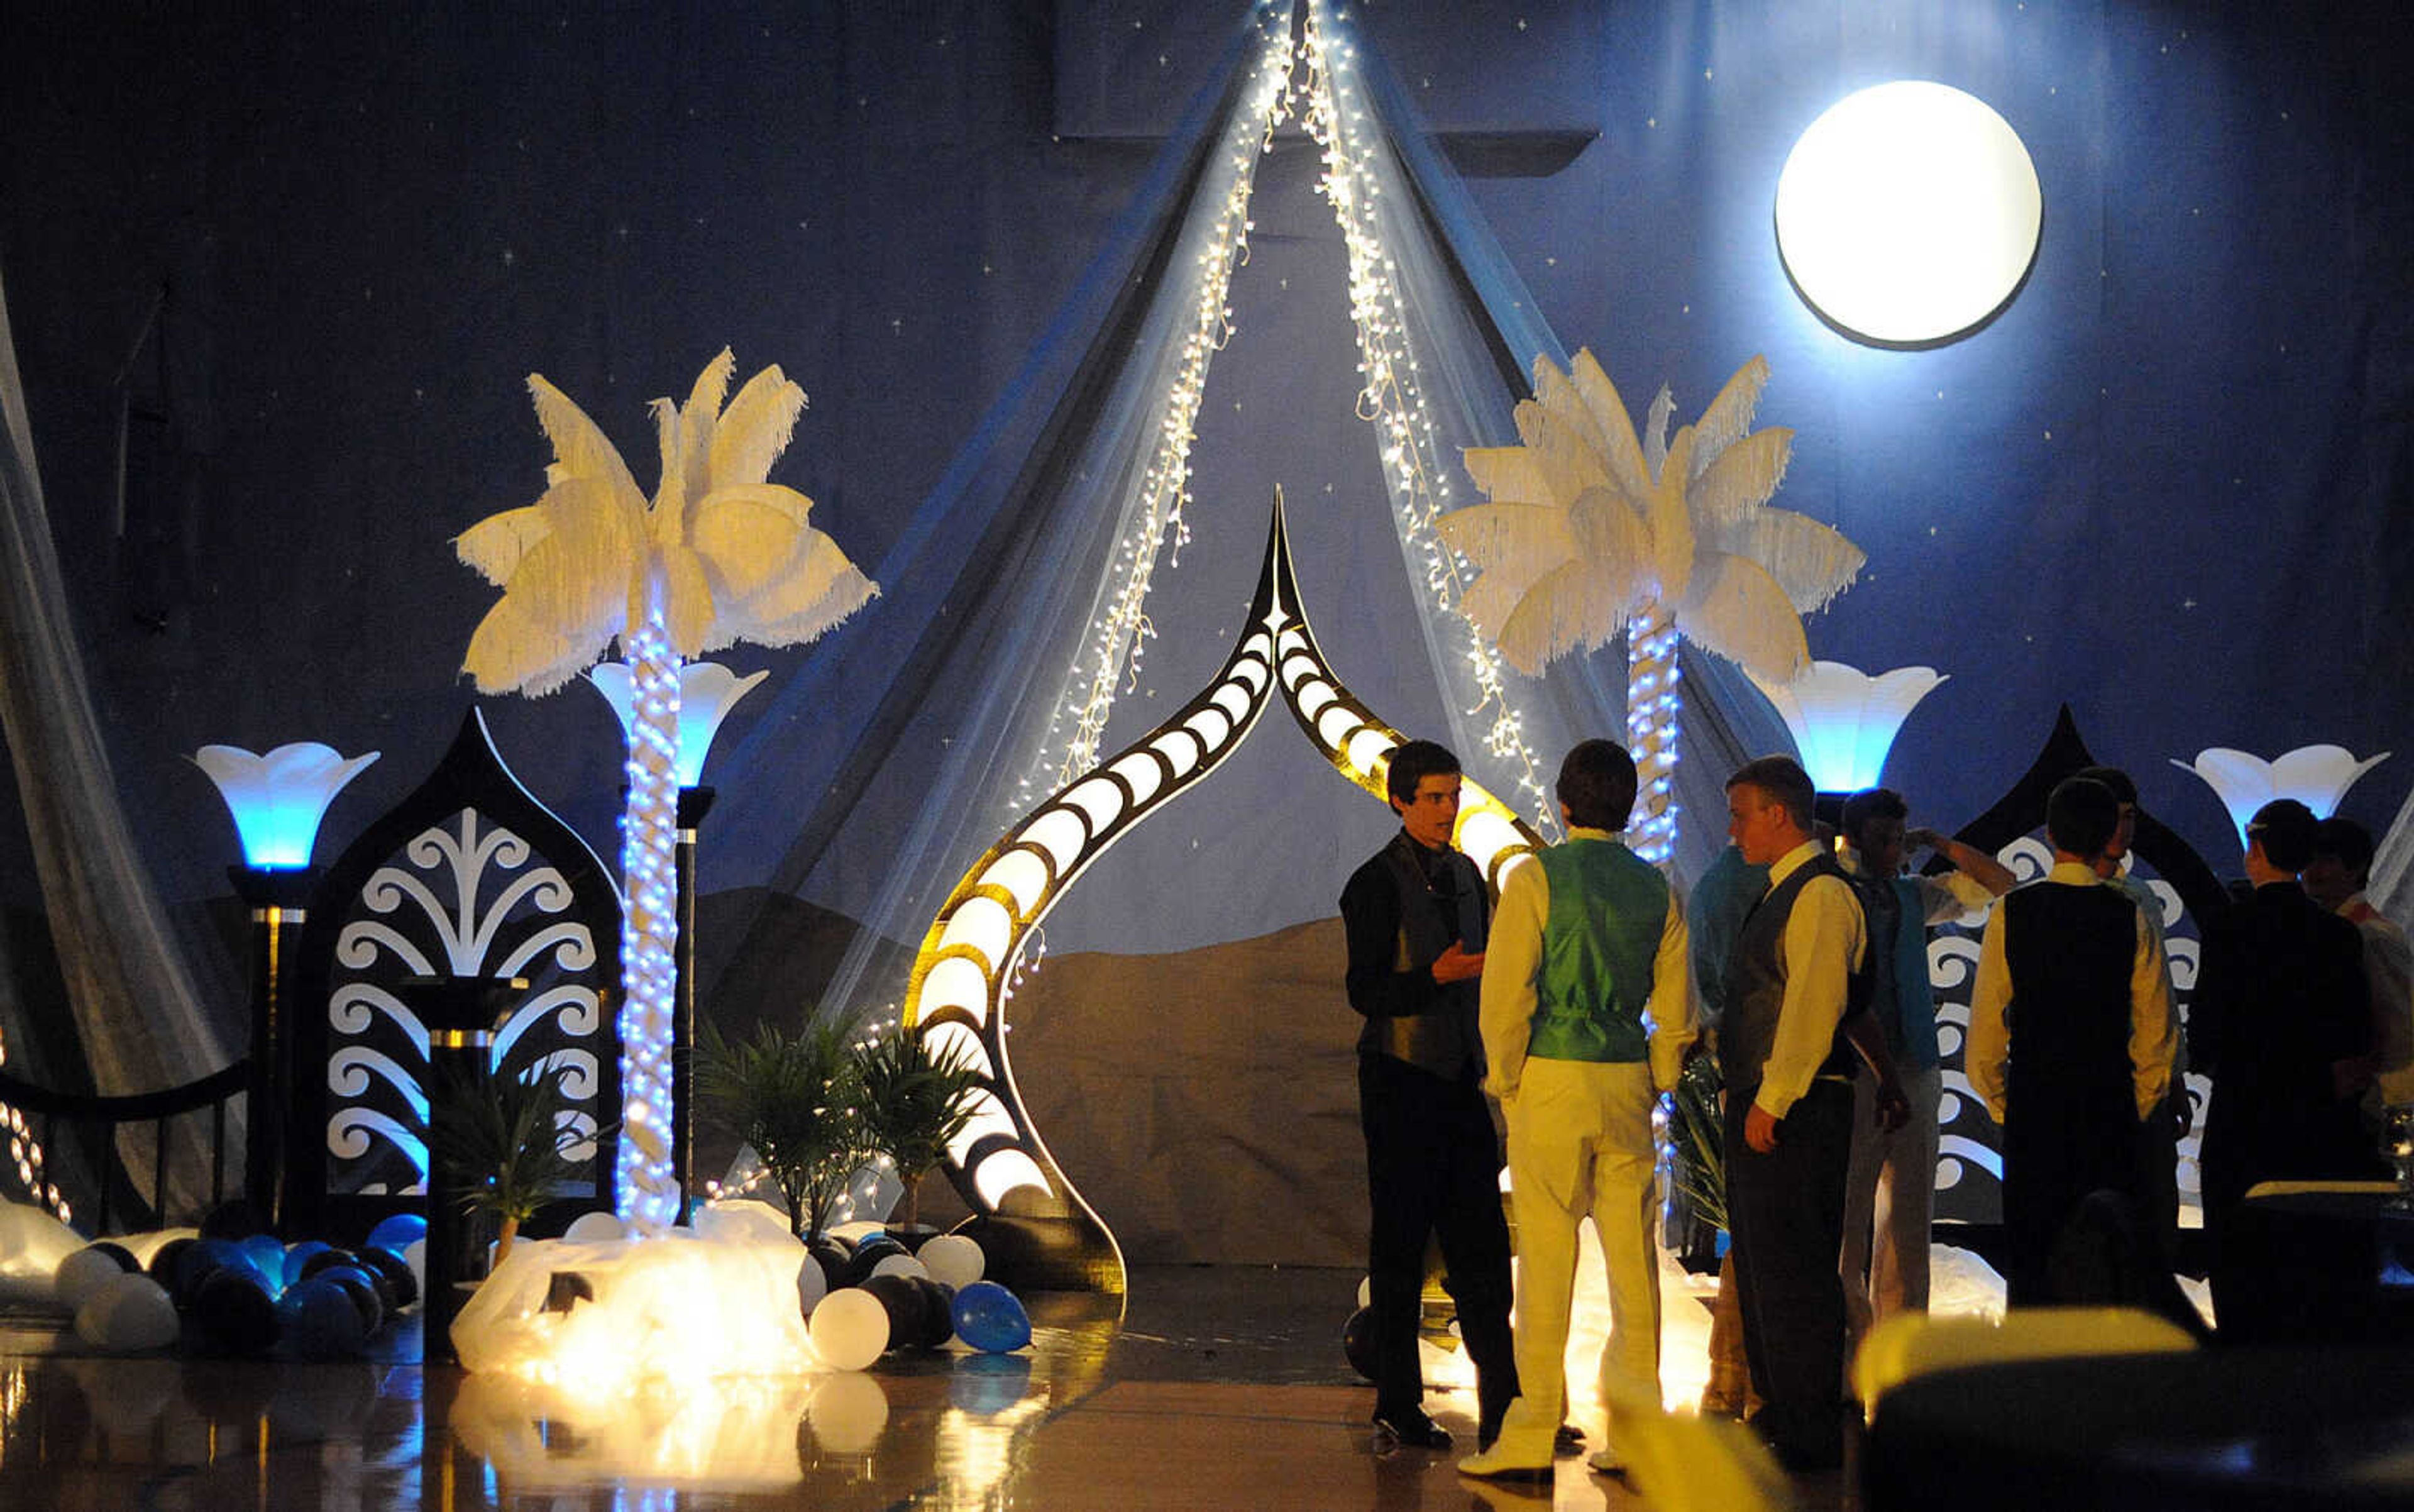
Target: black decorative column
460	1013
275	896
693	803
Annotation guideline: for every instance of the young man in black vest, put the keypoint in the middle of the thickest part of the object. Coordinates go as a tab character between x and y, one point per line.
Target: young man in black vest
1416	917
1789	1067
2282	1023
2070	1027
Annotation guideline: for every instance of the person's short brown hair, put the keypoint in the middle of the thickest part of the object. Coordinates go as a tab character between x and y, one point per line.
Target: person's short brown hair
1597	783
1786	783
1412	762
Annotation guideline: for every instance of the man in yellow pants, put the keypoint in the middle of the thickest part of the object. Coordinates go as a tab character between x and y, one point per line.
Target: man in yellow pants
1586	1011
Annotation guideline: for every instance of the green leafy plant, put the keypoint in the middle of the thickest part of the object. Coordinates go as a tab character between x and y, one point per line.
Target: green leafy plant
503	1141
795	1099
916	1101
1699	1135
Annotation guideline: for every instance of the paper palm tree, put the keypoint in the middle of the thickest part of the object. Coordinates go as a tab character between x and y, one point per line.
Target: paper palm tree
717	556
1593	531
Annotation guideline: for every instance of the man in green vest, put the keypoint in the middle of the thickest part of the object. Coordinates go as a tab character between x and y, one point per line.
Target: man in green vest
1588	1013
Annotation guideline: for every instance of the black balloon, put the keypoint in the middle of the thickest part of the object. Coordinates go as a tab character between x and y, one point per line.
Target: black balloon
164	1261
365	1298
327	1260
868	1256
1357	1341
118	1253
232	1314
834	1254
393	1274
939	1311
907	1306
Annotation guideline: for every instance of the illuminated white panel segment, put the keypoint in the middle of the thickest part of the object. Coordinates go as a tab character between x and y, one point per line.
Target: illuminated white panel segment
1234	700
982	924
1334	726
1485	835
1210	727
1101	798
1006	1172
1179	749
1364	748
1311	698
956	982
989	1118
1140	772
1021	874
1060	833
951	1037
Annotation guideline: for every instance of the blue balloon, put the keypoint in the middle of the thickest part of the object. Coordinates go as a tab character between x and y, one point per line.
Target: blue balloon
319	1321
989	1319
299	1255
266	1256
396	1233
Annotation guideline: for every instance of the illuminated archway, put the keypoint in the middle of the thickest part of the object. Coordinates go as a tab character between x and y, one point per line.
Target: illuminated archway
1034	1225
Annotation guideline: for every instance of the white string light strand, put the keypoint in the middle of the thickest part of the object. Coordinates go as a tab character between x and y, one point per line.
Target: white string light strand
1110	662
1415	475
649	1189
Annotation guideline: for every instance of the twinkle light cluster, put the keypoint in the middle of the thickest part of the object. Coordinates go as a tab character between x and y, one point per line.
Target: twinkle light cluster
1110	662
648	1188
1415	473
26	1155
1652	711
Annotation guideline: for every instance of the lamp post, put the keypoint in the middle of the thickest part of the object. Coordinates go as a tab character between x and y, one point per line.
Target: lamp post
277	801
459	1013
2316	776
1844	720
707	690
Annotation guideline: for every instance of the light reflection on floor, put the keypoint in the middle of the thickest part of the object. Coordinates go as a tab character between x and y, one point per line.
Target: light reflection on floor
1221	1387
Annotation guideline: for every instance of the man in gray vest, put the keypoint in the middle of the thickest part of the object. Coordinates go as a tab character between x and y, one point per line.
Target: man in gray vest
1416	916
1587	1014
1789	1114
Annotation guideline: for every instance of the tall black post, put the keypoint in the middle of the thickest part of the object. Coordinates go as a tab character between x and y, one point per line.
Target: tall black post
460	1013
275	894
693	803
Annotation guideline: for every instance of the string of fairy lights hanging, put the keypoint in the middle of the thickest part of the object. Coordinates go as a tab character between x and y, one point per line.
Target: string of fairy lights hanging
1110	662
1416	473
25	1154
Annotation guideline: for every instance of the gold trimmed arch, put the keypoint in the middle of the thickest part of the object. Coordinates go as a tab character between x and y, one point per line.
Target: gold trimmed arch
1034	1226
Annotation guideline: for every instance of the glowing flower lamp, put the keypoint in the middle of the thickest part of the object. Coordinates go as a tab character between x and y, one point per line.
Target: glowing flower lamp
707	690
278	799
2316	776
1844	720
1908	212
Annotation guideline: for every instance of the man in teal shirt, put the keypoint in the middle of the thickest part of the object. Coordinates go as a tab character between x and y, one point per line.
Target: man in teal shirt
1586	1012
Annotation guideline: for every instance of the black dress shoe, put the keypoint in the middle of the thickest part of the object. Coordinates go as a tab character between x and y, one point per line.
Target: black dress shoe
1569	1439
1410	1430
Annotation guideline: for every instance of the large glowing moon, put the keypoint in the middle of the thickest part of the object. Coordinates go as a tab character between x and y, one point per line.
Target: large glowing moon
1908	212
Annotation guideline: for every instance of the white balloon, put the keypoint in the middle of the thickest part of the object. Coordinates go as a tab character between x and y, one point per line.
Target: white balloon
901	1265
812	1284
594	1228
953	1260
414	1255
850	1329
130	1312
83	1274
848	1413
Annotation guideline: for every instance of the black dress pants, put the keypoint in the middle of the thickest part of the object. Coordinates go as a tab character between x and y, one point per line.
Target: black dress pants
1786	1211
1432	1168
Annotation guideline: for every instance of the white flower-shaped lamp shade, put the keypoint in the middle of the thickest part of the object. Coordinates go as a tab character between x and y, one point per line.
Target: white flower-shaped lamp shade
277	800
1845	721
707	690
2316	776
1908	212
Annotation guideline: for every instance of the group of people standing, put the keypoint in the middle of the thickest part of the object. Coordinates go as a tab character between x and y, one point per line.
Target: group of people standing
1803	966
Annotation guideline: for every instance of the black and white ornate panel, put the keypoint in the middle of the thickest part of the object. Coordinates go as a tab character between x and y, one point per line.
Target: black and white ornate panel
470	876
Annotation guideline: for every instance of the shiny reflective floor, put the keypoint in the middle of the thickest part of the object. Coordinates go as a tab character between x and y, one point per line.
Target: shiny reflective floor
1217	1389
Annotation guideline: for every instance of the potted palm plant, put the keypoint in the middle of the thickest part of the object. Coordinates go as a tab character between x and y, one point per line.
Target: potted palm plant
916	1099
504	1142
794	1099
